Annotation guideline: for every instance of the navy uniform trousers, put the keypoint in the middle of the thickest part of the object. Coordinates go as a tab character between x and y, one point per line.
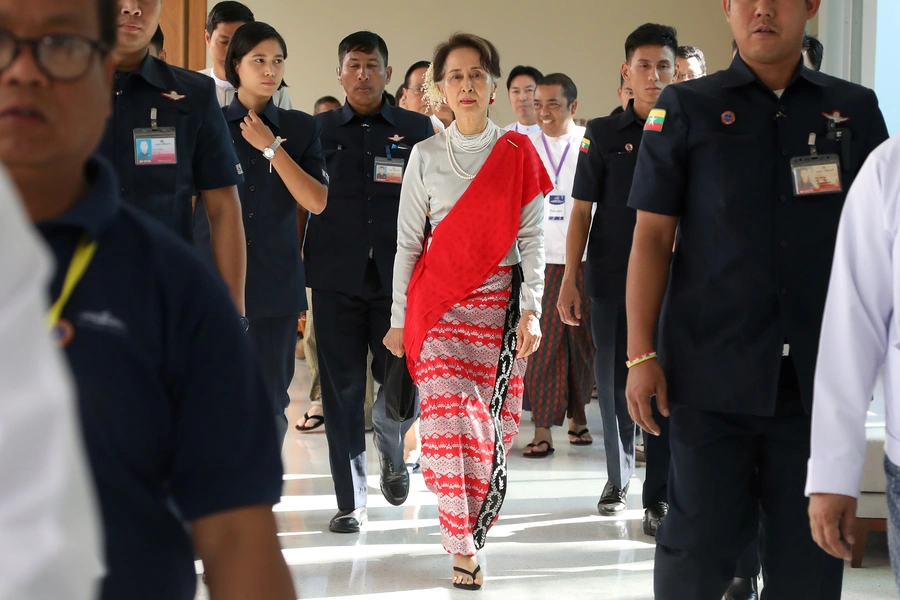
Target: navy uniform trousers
275	340
733	477
347	327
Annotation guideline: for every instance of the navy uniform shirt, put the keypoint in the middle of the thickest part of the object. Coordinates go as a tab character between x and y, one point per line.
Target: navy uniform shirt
276	286
205	155
169	392
605	170
751	267
361	217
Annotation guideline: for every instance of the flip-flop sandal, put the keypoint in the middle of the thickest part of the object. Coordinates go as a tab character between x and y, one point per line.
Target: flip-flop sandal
319	421
580	442
539	454
472	587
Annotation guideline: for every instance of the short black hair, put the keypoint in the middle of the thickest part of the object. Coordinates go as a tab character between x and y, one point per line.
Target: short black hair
108	15
569	90
247	37
621	80
422	64
687	52
651	34
814	50
325	100
227	12
400	92
523	70
158	40
362	41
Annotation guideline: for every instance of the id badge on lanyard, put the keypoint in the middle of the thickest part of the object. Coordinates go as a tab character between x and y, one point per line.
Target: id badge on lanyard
155	145
557	210
817	173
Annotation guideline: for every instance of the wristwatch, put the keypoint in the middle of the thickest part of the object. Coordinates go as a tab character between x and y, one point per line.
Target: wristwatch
269	152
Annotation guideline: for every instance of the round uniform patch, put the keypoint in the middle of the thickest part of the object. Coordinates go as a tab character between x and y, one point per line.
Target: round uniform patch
62	333
629	147
728	117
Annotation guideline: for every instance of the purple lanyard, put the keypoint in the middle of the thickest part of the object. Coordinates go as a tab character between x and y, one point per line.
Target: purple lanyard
557	168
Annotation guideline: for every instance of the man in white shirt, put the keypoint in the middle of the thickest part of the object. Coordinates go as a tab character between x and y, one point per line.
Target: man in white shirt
520	84
49	537
859	337
223	20
560	375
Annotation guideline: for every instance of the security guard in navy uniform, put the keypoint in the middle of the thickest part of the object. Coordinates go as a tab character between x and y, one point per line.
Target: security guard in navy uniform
349	253
739	328
175	113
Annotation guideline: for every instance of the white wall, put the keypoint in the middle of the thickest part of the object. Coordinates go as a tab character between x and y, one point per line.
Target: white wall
887	84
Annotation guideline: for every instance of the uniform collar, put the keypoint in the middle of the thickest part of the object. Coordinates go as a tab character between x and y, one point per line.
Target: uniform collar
156	73
97	209
628	116
387	112
739	74
237	111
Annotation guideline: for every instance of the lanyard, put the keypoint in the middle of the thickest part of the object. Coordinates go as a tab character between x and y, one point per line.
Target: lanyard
84	253
557	168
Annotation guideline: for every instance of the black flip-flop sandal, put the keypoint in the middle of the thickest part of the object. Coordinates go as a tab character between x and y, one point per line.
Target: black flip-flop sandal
580	442
472	587
550	450
319	421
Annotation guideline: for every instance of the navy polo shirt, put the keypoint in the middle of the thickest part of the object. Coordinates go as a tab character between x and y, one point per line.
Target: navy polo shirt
605	170
751	267
276	286
206	159
362	214
171	398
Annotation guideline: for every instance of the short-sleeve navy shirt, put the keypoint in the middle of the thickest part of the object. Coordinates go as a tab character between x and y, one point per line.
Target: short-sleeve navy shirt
171	397
205	155
362	214
605	170
276	285
751	267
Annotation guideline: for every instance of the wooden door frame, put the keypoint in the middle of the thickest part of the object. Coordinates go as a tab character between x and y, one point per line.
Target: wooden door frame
183	23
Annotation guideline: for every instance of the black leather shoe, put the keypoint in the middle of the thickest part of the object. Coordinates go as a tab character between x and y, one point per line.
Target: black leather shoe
653	517
349	521
742	589
394	484
613	500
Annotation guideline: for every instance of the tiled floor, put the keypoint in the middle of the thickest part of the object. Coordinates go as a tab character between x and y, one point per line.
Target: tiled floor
549	543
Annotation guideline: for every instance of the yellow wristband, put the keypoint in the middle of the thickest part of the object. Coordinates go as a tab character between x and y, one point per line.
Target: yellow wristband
640	359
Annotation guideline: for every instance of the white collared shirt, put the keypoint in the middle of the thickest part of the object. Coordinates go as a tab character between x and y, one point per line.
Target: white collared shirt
555	230
225	92
528	130
49	530
859	329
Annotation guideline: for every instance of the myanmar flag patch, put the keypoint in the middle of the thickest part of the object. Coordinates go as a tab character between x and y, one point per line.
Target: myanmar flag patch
585	145
656	120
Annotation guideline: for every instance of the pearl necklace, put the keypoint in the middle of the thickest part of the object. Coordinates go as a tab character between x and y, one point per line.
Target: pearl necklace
470	144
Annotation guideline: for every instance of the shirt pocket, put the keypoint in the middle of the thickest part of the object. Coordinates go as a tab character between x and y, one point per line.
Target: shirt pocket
157	186
741	172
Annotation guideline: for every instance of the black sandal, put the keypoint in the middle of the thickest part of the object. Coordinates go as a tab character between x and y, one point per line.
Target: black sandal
472	587
579	441
539	454
319	421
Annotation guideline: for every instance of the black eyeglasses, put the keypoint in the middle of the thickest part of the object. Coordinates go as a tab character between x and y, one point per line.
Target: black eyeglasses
61	57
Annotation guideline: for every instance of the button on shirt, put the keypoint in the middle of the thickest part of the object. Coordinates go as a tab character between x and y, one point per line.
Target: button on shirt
859	329
276	286
606	161
205	155
556	229
168	389
721	163
361	218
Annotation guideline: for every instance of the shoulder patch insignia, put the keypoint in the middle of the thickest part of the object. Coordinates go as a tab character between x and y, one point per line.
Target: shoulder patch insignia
585	145
656	120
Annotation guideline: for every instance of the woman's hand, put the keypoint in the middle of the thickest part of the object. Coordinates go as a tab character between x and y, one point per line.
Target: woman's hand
393	341
256	132
528	336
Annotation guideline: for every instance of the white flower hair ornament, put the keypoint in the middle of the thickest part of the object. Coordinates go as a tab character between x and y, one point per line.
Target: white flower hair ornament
433	96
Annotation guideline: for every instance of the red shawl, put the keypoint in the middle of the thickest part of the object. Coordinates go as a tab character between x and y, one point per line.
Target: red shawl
475	236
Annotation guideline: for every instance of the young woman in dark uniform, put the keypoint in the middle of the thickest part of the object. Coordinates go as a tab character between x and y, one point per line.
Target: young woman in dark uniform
281	157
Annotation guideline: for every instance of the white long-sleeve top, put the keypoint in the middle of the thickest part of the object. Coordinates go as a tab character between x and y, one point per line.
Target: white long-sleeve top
430	186
49	530
859	330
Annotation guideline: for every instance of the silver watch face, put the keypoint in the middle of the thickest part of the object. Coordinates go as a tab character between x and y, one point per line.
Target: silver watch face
269	153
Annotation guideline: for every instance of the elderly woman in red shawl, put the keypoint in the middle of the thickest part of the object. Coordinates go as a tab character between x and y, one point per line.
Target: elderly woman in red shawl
467	300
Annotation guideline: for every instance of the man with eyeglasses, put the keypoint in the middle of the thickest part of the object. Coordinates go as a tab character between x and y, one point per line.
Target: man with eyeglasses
690	64
177	113
183	452
414	95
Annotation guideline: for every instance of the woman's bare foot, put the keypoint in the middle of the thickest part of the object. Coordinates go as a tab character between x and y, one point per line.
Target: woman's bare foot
541	434
574	439
469	563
